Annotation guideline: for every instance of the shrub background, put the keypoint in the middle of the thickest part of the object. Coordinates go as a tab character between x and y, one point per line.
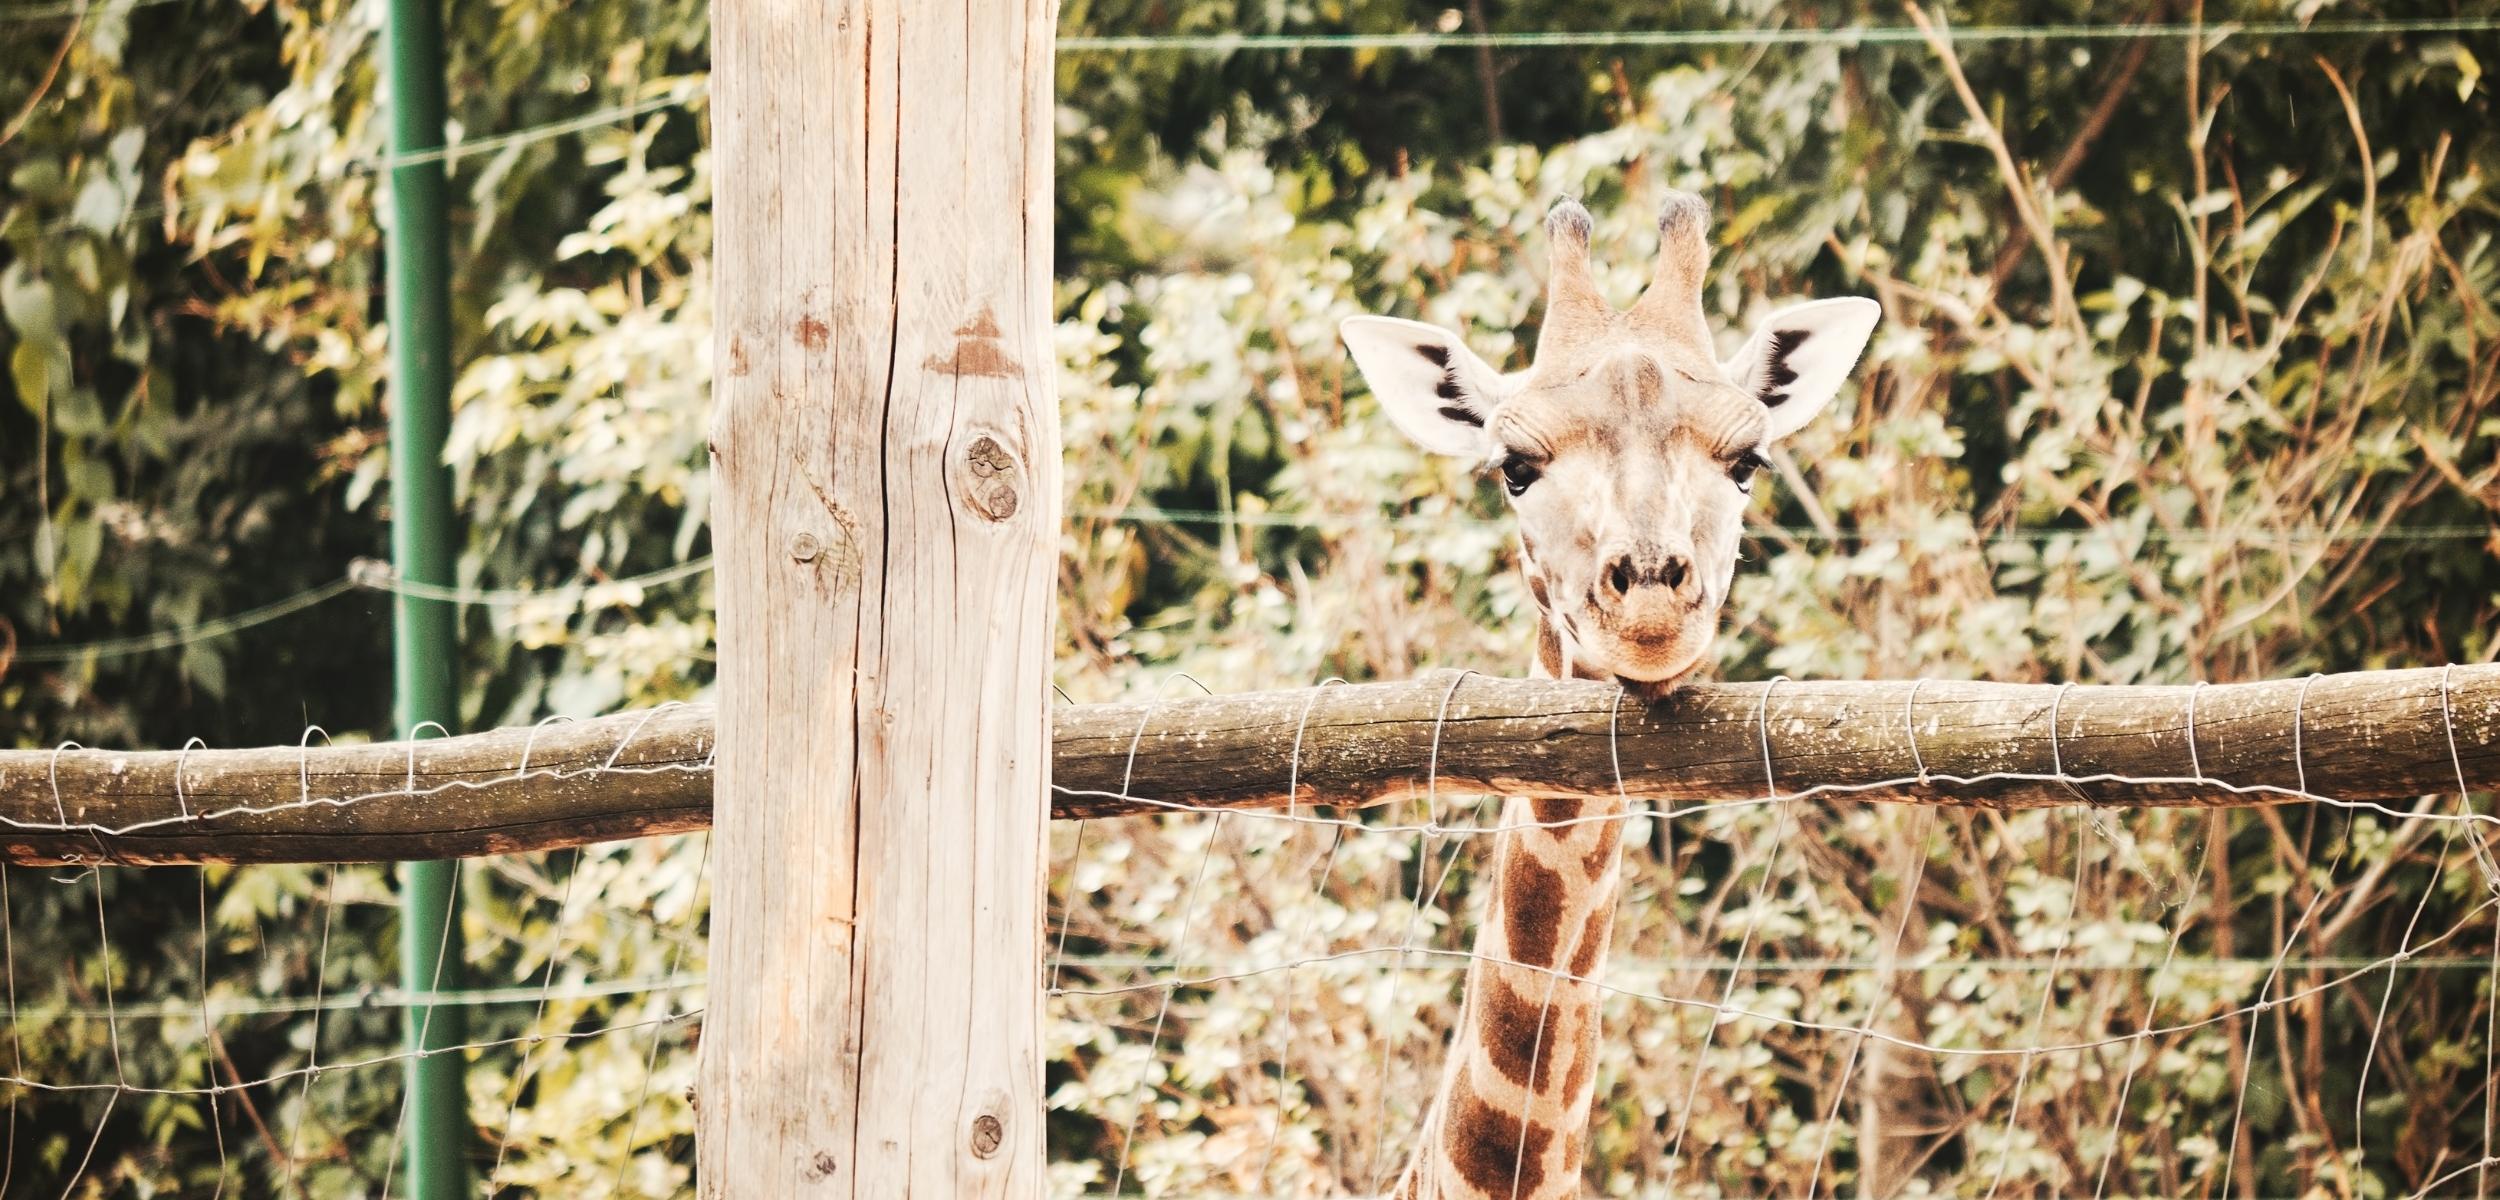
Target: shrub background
2236	420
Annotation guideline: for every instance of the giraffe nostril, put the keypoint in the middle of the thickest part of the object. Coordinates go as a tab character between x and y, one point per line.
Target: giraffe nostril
1674	570
1619	576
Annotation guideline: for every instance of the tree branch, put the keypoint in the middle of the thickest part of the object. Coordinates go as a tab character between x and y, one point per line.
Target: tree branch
2095	124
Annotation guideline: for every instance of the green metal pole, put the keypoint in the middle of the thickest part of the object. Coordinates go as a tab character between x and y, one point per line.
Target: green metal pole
423	538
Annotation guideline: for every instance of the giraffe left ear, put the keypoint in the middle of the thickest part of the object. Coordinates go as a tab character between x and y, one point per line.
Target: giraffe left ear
1796	359
1431	385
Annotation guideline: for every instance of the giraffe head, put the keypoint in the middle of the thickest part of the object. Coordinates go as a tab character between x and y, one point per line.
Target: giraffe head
1628	449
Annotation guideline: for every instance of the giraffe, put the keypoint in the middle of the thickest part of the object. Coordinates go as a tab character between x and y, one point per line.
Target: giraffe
1628	451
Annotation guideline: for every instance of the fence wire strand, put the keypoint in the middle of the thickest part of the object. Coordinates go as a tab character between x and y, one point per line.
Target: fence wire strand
377	577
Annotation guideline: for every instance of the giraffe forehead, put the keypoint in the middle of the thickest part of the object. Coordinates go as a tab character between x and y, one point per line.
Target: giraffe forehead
1638	406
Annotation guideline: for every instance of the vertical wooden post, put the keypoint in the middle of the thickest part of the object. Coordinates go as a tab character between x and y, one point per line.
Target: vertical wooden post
886	465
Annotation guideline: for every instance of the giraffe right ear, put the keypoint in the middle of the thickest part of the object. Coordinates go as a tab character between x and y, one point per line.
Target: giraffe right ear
1429	383
1798	357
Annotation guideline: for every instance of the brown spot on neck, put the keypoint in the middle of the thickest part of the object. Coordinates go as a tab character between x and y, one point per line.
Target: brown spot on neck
1532	908
1601	855
1519	1030
1494	1152
1593	935
1574	1101
1549	652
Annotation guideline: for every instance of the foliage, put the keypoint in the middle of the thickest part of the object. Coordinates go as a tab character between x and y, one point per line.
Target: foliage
2236	397
2200	434
240	424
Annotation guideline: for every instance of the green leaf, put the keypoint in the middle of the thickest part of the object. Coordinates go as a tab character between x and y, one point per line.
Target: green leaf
27	301
205	668
38	177
84	477
100	205
75	410
31	370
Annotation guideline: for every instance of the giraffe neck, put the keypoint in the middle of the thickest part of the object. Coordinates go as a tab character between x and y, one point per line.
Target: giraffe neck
1510	1121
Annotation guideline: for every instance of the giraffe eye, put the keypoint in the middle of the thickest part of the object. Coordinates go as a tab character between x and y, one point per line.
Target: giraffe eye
1517	474
1743	468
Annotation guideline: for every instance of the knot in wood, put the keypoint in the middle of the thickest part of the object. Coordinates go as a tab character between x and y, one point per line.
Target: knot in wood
805	547
988	1133
988	479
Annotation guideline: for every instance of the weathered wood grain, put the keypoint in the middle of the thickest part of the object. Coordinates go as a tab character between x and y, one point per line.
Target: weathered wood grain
886	462
2372	736
2363	736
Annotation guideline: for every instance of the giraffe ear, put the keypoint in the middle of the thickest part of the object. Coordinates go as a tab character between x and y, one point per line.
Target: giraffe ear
1429	383
1796	359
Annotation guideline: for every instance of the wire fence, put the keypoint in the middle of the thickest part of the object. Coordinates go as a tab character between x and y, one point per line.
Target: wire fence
1798	997
1802	996
1802	992
692	91
277	1070
1844	36
369	576
1225	42
594	592
1447	39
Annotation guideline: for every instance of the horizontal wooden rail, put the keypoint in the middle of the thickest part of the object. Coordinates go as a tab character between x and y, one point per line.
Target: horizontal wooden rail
634	774
2363	737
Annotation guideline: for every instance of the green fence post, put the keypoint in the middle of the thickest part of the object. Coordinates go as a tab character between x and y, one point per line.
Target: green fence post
423	541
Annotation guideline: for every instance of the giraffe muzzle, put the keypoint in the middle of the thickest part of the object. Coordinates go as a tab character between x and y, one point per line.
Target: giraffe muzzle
1650	618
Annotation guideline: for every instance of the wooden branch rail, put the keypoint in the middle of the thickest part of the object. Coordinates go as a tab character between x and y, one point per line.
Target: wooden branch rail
2368	736
635	774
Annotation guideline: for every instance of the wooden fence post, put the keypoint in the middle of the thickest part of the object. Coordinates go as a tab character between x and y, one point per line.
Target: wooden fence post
886	465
